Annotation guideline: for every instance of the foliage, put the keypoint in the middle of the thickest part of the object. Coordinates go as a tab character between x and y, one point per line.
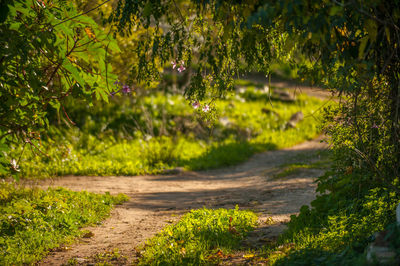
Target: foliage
200	237
351	47
359	195
210	36
336	230
33	221
162	132
66	56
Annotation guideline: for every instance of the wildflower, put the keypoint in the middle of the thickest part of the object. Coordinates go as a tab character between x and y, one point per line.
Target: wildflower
116	82
374	126
41	3
196	105
206	108
112	93
173	64
14	165
126	89
181	69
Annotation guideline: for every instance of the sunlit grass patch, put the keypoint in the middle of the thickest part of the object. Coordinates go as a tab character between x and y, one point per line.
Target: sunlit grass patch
33	221
166	132
292	169
201	237
338	236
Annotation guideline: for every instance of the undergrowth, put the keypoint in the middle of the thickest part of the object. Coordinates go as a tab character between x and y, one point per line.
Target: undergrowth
335	231
200	237
33	221
357	197
163	132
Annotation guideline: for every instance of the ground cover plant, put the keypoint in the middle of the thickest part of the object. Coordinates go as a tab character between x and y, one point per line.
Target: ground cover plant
352	48
34	221
162	131
201	237
323	162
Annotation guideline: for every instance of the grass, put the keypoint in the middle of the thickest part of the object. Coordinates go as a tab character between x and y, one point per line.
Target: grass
339	237
294	168
172	135
201	237
33	221
207	237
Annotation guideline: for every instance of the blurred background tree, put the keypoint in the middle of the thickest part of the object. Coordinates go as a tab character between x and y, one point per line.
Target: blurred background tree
49	52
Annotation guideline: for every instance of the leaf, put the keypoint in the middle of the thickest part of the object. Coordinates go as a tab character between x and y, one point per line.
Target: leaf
56	105
15	26
387	32
90	33
113	45
101	94
334	10
361	48
86	20
372	29
74	72
147	9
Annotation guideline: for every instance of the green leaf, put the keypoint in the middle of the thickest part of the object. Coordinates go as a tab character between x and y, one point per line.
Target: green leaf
334	10
74	72
147	9
113	45
372	29
363	44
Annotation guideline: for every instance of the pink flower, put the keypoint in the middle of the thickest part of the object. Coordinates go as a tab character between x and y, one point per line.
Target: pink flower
206	108
173	64
196	105
181	69
126	89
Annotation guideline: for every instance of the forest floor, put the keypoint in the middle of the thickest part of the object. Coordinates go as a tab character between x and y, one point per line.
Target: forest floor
156	201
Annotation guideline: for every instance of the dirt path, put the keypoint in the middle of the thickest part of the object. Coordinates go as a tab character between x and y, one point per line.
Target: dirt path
159	200
292	86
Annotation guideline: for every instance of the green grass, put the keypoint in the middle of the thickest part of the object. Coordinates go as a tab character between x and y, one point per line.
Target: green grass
201	237
33	221
337	235
175	136
294	168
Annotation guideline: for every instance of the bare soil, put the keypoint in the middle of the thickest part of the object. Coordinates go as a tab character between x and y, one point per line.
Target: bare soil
156	201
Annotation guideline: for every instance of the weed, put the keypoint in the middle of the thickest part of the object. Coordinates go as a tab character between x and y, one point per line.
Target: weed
33	221
202	236
185	141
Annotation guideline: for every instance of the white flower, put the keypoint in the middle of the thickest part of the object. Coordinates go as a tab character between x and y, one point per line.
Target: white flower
14	165
196	105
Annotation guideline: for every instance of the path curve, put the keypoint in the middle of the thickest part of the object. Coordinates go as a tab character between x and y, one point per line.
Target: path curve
158	200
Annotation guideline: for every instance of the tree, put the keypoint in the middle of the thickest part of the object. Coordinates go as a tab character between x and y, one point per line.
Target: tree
351	47
48	52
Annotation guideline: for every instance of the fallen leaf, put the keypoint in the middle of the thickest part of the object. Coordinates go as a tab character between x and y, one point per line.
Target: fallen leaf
248	256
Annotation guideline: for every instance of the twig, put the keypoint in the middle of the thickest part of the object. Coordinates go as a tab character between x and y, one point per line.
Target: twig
84	13
33	145
67	116
179	12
